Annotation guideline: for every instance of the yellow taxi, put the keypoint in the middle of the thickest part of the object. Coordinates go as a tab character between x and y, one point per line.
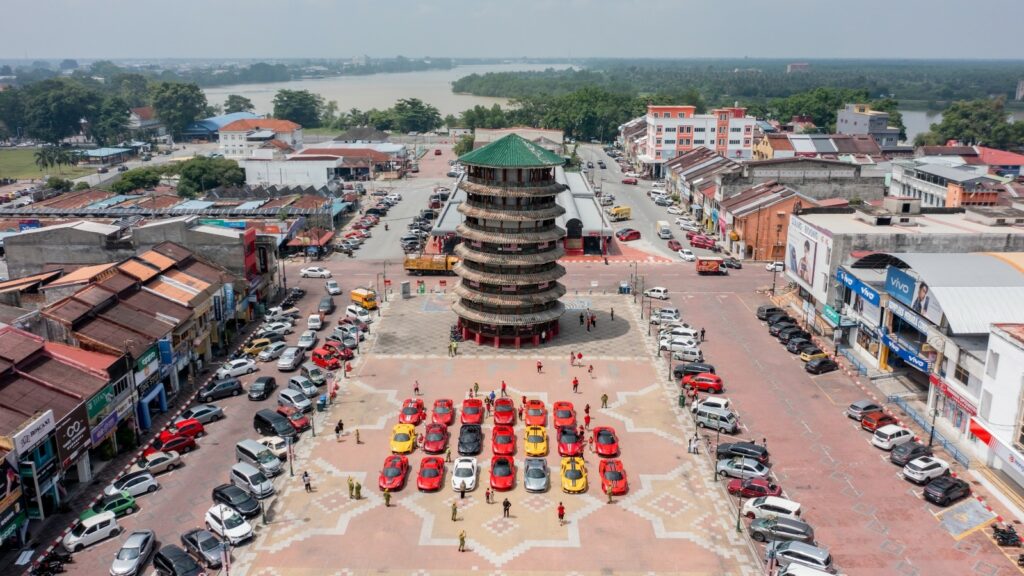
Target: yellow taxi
535	441
256	346
574	475
403	438
812	354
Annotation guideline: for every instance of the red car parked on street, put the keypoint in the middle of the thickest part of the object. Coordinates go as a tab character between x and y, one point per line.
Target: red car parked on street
472	411
563	414
753	488
189	427
393	475
704	382
503	441
569	442
536	414
435	439
431	474
179	444
412	412
613	474
503	473
606	443
629	181
504	412
443	412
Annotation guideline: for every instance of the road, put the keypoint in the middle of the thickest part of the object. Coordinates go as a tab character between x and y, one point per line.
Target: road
180	151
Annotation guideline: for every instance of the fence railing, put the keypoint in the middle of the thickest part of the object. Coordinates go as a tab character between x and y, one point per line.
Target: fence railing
923	422
860	367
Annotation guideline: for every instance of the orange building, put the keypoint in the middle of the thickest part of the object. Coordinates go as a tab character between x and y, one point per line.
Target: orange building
757	220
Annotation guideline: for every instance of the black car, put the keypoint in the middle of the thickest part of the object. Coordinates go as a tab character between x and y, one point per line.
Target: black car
821	365
296	292
692	368
237	499
786	335
204	546
220	389
732	263
262	388
173	561
742	449
777	317
471	439
946	489
774	329
375	212
904	453
428	214
795	345
765	311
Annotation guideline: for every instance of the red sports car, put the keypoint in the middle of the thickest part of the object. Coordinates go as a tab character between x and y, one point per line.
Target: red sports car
504	412
472	411
629	181
297	417
674	245
570	443
412	412
753	488
503	473
606	443
613	474
435	440
503	441
536	413
431	474
392	476
563	414
443	412
704	382
179	444
340	351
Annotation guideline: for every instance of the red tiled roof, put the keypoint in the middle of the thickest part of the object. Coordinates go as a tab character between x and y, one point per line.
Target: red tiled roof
158	260
16	346
779	142
274	124
278	144
93	295
279	202
118	283
374	155
28	281
173	251
137	321
106	335
310	202
994	157
76	199
67	311
138	269
158	306
96	361
144	112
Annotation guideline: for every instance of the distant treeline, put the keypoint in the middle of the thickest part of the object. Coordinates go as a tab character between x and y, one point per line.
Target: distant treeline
751	81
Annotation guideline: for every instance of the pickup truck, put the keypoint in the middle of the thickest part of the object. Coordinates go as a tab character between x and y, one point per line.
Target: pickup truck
277	312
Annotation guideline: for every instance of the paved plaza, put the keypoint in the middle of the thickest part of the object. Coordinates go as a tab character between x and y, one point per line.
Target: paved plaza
674	519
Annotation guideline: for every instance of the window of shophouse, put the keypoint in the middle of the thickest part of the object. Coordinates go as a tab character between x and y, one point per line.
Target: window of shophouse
961	374
867	340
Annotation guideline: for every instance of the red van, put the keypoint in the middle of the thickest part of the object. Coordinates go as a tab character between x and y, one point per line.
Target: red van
702	242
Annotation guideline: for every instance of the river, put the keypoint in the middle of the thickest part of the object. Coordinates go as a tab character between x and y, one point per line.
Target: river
380	90
918	121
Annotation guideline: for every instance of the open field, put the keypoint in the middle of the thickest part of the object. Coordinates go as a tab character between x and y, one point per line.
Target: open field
19	163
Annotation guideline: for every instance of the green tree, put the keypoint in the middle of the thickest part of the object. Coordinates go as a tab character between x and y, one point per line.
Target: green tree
971	122
54	109
236	103
450	121
177	105
68	64
61	184
111	121
329	116
136	179
300	106
44	158
413	115
79	186
133	88
201	174
464	145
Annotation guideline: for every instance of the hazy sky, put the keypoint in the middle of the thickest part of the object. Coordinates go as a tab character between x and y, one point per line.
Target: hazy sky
538	28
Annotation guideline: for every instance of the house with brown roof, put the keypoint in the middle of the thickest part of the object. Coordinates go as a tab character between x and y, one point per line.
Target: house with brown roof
142	122
240	138
757	220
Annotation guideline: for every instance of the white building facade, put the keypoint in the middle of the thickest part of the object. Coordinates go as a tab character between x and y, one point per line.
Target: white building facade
673	130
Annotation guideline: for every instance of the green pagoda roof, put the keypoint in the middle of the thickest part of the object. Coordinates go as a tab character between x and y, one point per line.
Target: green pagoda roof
512	151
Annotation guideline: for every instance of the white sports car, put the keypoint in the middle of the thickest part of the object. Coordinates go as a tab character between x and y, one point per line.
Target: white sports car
464	474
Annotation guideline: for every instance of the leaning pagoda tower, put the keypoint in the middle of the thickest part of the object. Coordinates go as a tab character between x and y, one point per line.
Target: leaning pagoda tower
510	244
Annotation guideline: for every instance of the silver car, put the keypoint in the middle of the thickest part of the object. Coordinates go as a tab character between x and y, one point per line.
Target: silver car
742	468
134	483
272	352
536	476
771	529
308	340
304	385
291	358
134	553
204	413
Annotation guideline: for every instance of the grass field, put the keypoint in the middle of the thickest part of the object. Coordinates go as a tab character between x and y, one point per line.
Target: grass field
19	163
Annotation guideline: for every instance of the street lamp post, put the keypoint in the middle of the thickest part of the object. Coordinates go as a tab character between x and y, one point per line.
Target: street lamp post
775	269
739	514
931	432
385	275
635	279
291	457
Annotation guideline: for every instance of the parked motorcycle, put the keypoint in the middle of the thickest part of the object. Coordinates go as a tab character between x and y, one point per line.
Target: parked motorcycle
1006	536
62	555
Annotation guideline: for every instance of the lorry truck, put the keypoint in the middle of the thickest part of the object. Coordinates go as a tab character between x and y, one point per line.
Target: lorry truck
663	229
418	265
619	213
711	265
364	297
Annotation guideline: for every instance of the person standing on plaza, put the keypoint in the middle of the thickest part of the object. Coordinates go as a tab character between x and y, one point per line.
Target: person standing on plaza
358	441
572	358
586	409
609	493
591	370
504	389
579	358
588	324
581	319
586	422
702	334
543	336
593	321
387	498
493	396
462	491
455	348
448	454
604	400
359	491
337	431
540	367
613	314
476	388
575	385
351	487
561	514
506	507
450	342
455	512
487	495
462	541
416	389
306	482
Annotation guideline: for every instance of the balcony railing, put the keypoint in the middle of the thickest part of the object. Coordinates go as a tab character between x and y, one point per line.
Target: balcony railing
504	184
509	207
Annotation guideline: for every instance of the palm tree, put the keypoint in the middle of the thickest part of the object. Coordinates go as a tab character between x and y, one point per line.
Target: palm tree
43	158
62	157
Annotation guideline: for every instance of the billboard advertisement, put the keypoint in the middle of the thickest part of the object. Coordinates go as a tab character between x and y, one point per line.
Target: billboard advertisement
808	256
911	291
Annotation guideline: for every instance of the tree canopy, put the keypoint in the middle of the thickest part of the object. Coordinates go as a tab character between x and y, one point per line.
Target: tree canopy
236	103
971	122
177	105
201	174
300	106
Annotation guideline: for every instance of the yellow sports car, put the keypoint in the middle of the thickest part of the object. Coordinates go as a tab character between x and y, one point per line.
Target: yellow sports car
574	475
535	441
403	438
812	354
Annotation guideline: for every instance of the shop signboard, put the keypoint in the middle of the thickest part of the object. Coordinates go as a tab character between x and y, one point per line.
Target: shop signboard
914	293
100	431
943	387
831	315
869	294
906	354
10	499
31	435
96	405
909	317
147	365
808	257
72	435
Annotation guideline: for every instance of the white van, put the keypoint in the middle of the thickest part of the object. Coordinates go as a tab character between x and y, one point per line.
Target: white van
359	313
718	402
314	322
248	478
890	436
91	530
664	231
256	454
688	355
716	419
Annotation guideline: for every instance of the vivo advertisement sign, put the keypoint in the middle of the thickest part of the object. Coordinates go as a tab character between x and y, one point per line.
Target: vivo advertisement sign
859	288
900	285
905	353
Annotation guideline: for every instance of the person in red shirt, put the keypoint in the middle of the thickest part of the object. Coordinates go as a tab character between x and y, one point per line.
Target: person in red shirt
504	389
586	422
561	514
575	384
539	366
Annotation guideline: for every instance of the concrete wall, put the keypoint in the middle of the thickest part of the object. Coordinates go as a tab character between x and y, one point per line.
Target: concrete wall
28	253
221	250
999	409
818	181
